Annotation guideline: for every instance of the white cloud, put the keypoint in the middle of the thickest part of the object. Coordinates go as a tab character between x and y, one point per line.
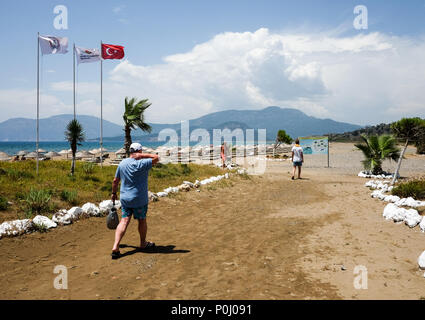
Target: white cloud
362	79
118	9
366	79
23	103
82	88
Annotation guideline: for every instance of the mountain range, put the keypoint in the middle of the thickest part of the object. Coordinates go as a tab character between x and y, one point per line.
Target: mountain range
295	122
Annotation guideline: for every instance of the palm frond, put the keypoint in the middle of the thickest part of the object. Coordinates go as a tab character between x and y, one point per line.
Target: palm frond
376	149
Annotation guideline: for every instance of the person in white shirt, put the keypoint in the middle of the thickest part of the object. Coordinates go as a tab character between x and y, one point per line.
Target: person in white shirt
297	158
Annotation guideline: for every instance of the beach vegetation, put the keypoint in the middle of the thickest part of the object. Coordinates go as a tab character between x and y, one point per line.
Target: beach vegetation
88	168
134	117
376	149
282	137
37	201
75	135
408	130
414	188
69	196
4	204
54	178
420	141
40	228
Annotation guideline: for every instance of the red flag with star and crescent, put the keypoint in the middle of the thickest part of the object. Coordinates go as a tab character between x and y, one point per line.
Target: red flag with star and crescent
110	51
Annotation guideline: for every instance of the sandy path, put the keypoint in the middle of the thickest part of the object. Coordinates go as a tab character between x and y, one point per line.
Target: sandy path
264	238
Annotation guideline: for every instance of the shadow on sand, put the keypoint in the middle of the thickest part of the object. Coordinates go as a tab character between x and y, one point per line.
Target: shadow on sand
157	249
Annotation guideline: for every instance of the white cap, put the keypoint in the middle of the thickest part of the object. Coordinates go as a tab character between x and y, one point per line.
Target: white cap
135	147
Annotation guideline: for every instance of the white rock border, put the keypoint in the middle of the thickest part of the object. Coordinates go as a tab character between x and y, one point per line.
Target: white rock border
393	210
65	217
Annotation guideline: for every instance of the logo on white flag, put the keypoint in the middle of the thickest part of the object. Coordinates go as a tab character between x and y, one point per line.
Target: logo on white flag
53	45
87	55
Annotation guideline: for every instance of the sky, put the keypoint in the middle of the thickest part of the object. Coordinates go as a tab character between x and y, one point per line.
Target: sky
191	58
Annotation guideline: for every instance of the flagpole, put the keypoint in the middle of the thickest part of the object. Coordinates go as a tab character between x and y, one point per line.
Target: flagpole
101	107
73	60
38	93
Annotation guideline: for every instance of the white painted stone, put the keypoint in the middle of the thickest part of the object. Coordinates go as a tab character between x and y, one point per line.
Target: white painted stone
90	209
15	227
381	196
376	194
389	211
162	194
152	196
107	205
422	224
421	261
393	212
190	184
44	222
413	218
391	199
75	213
409	202
184	187
171	190
62	217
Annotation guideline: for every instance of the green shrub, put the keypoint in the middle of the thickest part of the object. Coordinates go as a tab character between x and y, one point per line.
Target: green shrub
69	196
88	168
40	228
414	189
3	203
245	176
15	174
170	170
20	195
37	201
185	169
420	147
107	186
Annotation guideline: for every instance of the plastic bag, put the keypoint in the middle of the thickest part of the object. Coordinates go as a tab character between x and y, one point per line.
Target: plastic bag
112	219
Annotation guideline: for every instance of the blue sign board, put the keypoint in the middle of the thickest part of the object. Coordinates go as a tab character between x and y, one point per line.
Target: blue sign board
314	145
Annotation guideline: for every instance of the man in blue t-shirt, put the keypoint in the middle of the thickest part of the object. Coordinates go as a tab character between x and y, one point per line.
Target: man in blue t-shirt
133	174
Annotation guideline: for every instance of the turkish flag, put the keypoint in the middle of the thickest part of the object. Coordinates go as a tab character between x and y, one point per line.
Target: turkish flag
110	51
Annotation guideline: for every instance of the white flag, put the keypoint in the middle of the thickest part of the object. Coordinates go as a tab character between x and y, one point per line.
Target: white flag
53	45
87	55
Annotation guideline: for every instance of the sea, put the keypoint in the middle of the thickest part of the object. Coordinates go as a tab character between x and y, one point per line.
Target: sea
13	147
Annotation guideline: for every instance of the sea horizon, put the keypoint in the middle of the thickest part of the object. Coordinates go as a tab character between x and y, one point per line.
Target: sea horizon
13	147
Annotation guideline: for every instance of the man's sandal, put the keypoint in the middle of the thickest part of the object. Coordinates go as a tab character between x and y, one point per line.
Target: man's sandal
149	245
115	255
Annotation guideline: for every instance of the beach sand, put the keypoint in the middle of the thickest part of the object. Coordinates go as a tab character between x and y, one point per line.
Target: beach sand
263	238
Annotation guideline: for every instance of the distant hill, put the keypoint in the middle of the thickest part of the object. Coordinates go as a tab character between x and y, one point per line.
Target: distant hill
295	122
53	128
379	129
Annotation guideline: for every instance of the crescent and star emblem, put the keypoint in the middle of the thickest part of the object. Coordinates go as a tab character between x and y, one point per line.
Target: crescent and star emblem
110	54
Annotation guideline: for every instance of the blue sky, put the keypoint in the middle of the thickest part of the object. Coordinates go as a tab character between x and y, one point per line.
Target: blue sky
151	31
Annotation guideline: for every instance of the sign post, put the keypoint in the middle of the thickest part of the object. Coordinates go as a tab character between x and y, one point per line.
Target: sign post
328	152
315	145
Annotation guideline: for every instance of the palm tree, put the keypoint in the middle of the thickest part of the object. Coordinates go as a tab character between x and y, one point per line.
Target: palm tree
134	117
420	142
407	129
376	149
74	134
